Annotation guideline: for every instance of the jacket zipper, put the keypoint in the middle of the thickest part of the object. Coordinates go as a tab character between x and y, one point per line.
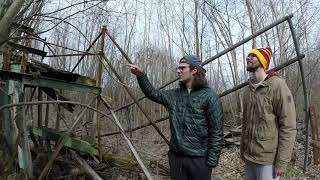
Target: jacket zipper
252	123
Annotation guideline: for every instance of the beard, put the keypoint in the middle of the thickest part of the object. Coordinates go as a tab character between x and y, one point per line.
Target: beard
253	67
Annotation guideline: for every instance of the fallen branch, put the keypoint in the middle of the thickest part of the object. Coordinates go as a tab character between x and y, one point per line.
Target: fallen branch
86	166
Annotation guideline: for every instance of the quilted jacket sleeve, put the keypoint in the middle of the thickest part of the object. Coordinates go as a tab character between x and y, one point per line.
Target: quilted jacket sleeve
159	96
215	130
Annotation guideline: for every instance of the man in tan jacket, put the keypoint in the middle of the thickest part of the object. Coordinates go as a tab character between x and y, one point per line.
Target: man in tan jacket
269	120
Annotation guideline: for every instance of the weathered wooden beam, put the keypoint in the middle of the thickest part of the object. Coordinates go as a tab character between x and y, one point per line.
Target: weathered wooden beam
58	119
16	90
78	54
39	109
30	80
99	80
6	115
25	160
88	49
24	59
77	144
23	28
46	125
6	59
26	49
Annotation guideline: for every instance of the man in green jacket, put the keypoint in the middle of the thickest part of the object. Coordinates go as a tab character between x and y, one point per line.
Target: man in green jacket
269	120
196	120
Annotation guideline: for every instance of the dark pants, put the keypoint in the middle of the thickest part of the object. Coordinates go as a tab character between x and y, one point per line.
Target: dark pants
184	167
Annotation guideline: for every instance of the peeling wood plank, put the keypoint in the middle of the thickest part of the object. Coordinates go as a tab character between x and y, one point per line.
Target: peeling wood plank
30	80
73	143
26	49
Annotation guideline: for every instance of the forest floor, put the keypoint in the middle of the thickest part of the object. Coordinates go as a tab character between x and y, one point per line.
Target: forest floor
231	167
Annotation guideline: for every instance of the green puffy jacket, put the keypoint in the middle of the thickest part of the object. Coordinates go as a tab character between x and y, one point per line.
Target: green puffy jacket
196	119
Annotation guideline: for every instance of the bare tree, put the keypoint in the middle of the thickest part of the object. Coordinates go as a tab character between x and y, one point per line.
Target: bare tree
8	11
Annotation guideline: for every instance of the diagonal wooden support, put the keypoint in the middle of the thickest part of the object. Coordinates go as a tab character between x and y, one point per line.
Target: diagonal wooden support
61	142
106	63
136	155
118	46
88	49
78	54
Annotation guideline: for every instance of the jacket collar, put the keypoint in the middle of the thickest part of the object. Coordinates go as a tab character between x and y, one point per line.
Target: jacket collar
266	82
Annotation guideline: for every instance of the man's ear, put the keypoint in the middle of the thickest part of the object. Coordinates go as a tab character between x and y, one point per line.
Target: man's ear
194	71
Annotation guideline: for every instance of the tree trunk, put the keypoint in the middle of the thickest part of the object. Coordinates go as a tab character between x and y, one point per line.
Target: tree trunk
7	19
196	27
252	23
5	22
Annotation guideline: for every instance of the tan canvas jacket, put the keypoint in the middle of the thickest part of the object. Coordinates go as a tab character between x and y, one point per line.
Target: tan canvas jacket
269	123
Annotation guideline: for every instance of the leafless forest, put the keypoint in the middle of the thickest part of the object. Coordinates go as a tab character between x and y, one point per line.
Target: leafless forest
93	40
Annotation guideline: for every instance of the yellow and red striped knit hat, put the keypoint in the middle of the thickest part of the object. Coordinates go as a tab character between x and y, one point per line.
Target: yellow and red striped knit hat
264	55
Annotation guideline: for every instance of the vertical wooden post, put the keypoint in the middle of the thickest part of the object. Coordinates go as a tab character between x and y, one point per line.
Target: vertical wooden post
6	116
46	124
99	80
57	125
19	122
24	60
315	134
59	114
26	153
40	115
6	59
23	131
